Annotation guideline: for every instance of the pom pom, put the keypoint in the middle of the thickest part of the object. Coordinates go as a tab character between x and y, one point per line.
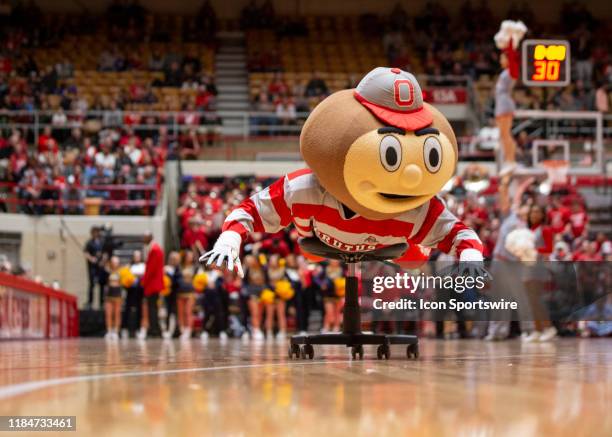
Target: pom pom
501	40
126	277
167	286
267	297
521	244
340	286
200	281
510	31
284	290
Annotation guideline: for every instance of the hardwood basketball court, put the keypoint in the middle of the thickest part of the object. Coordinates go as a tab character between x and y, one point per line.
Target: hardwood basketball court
190	388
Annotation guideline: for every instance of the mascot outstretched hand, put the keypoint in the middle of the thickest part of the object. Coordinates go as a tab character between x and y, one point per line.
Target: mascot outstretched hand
377	156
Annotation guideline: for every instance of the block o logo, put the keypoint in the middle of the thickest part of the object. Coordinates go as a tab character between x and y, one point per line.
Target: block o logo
403	92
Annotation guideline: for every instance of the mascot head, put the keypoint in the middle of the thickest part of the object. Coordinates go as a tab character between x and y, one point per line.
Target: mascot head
379	149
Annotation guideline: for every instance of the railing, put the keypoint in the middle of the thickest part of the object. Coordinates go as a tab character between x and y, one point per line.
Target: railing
32	310
87	199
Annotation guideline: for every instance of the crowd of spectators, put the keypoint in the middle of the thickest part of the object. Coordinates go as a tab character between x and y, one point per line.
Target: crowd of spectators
26	85
279	105
118	166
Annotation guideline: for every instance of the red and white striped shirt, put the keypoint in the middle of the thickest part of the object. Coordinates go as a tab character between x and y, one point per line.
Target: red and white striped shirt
298	198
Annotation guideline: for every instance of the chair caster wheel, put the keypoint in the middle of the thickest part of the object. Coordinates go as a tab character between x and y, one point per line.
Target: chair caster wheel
307	351
294	350
357	351
383	351
412	351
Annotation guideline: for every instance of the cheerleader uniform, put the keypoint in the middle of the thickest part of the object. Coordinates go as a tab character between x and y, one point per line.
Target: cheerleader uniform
113	288
185	287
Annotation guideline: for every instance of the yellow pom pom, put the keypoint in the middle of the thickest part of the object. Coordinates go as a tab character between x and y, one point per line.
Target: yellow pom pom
262	259
200	280
267	296
167	286
126	277
284	290
340	285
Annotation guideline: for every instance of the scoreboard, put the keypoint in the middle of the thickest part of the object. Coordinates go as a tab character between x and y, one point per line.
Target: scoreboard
546	62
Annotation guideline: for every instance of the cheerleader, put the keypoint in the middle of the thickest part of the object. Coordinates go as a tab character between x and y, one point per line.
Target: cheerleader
332	299
276	273
255	280
185	295
113	299
507	39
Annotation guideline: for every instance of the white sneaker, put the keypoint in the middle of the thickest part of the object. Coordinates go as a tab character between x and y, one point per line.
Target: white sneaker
141	334
281	336
223	337
204	336
186	334
167	335
302	333
245	337
125	334
108	335
548	334
532	337
258	335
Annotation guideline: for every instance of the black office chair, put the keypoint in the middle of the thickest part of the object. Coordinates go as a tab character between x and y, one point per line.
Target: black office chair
351	335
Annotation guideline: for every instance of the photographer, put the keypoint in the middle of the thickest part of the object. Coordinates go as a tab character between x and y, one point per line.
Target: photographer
93	255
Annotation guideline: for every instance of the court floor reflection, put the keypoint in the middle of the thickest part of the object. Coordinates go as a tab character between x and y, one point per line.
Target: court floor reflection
178	388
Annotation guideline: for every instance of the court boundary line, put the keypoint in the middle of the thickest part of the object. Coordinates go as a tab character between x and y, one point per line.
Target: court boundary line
10	391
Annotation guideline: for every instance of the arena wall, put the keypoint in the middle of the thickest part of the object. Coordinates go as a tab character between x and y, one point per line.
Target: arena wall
52	246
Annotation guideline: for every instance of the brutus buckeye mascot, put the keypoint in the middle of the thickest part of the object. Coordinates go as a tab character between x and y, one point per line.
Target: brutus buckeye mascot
377	156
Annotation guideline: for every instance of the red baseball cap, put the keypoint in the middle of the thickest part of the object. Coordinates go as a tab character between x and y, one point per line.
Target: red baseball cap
394	97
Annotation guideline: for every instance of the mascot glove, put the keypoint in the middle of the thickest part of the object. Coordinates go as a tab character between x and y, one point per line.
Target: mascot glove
470	264
470	255
226	249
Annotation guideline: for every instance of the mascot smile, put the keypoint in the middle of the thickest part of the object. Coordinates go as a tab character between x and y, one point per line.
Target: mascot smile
377	157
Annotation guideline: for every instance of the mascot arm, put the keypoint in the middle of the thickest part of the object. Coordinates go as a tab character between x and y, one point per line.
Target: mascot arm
443	231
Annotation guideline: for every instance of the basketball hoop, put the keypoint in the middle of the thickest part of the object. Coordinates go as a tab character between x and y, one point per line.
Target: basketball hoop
557	170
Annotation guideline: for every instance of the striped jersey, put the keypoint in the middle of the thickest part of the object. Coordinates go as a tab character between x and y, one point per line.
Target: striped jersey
298	198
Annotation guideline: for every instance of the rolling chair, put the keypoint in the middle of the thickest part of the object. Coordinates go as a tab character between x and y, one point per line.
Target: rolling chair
351	334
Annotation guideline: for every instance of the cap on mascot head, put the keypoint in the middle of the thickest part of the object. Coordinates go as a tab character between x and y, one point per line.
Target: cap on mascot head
380	149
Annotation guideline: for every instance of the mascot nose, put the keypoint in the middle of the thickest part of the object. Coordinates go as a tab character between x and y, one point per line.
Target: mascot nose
411	176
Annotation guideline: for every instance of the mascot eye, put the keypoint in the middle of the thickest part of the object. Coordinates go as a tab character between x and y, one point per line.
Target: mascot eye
432	154
390	153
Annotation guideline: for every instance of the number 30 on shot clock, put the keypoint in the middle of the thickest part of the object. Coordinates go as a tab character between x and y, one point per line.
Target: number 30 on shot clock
546	62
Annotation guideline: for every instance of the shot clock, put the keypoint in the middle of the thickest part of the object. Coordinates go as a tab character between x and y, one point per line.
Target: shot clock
546	62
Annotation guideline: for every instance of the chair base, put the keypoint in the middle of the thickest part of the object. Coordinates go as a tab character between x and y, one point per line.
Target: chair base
355	342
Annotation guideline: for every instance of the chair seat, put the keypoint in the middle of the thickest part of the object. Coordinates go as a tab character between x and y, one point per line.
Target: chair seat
316	247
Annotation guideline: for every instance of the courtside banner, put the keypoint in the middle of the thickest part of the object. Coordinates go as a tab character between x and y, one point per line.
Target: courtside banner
32	310
494	291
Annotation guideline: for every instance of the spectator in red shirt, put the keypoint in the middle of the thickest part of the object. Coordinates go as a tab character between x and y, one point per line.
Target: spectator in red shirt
558	216
45	140
194	237
277	86
578	219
